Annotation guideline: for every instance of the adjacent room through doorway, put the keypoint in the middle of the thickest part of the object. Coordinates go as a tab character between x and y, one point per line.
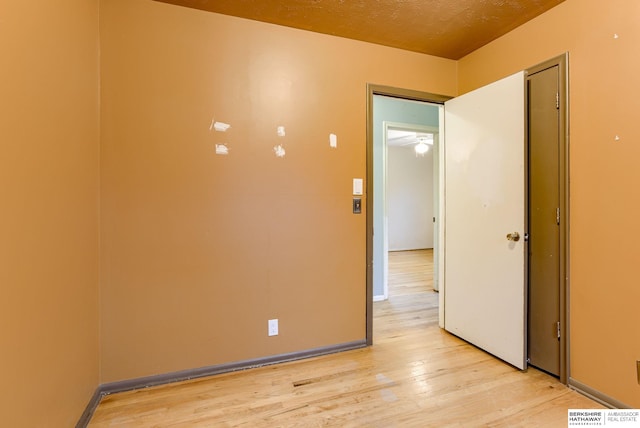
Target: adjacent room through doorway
405	195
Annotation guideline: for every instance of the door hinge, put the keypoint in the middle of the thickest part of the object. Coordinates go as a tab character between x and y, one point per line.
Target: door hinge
558	329
558	216
557	100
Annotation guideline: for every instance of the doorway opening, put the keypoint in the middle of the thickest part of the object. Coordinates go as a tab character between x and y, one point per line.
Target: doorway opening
393	109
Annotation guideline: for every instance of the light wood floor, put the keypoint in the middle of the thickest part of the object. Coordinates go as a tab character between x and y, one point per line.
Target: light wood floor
415	375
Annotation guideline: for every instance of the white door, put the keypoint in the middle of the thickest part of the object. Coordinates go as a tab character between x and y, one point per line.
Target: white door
484	276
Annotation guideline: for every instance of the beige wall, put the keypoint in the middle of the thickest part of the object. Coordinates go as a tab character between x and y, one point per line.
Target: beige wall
49	195
605	202
200	250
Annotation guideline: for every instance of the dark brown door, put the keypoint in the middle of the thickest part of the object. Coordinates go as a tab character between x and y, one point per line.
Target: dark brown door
544	220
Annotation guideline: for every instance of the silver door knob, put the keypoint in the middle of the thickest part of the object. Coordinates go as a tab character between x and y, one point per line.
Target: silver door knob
515	236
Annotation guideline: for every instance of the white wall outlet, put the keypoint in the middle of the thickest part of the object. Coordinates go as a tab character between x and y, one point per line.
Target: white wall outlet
273	327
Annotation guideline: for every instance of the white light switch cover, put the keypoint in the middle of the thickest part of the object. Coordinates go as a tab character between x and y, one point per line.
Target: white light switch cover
357	186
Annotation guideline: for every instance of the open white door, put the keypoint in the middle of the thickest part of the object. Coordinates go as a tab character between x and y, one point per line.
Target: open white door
484	276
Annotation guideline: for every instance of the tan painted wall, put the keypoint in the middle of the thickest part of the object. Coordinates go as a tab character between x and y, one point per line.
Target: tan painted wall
200	250
49	215
605	202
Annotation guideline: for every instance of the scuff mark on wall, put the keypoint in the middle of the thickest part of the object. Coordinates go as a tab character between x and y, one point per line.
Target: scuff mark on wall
222	149
279	151
219	126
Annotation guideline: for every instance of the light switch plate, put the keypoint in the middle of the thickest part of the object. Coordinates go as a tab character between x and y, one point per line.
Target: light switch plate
357	186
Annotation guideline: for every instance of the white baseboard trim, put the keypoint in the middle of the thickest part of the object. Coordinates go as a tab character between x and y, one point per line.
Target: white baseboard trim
380	298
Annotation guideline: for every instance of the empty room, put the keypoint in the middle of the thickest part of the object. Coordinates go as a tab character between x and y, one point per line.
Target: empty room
193	213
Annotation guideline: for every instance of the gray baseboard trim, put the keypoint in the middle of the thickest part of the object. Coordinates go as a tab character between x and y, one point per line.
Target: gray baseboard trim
596	395
161	379
91	407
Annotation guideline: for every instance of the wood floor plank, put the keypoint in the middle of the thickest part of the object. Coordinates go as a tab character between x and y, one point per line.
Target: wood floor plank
415	375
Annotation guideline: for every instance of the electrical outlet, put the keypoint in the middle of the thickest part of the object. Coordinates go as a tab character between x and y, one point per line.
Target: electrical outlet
273	327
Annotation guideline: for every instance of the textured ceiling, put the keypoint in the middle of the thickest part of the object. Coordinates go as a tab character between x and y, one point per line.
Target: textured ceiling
445	28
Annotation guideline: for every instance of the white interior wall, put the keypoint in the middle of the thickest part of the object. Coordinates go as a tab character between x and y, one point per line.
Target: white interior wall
409	199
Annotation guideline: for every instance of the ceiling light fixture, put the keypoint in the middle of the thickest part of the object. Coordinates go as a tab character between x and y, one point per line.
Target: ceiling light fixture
422	147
